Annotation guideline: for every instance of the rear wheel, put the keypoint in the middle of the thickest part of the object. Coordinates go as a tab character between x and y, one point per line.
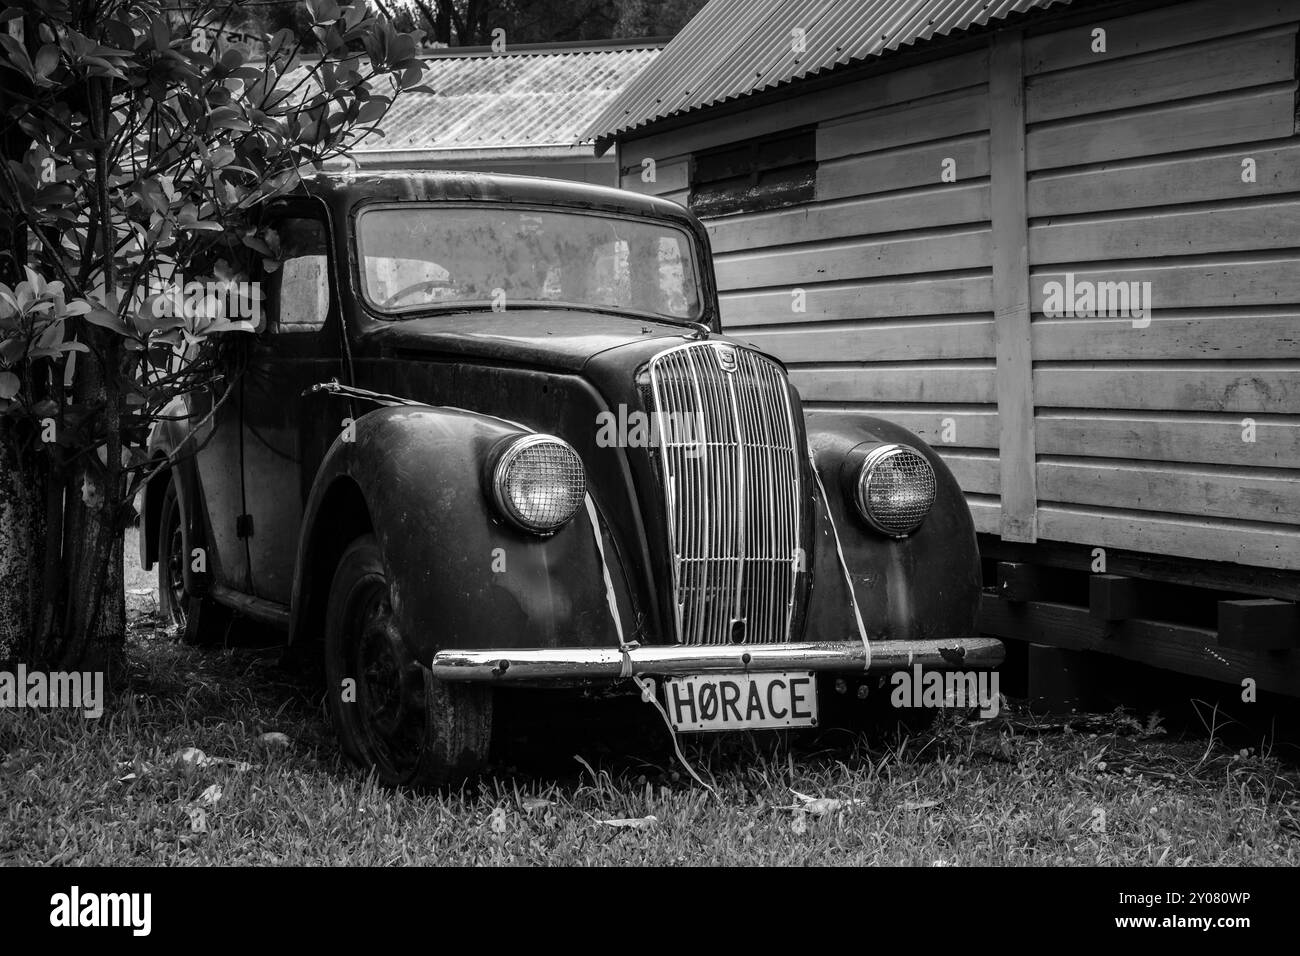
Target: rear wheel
196	617
389	712
173	601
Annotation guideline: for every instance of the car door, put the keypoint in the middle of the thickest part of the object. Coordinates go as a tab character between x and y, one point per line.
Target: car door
214	415
285	432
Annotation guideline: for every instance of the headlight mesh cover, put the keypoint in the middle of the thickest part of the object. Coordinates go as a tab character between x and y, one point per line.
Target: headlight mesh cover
541	483
896	489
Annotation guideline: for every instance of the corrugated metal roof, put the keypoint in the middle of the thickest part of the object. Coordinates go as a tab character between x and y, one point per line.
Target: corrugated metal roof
733	48
510	100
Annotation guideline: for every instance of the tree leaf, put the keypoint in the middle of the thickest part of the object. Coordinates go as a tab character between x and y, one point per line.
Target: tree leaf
9	385
51	337
372	110
34	280
98	66
18	61
47	59
104	319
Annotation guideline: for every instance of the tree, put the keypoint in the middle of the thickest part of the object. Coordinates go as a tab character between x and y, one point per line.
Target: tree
136	153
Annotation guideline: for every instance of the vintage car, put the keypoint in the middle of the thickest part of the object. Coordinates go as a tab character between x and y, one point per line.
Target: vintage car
490	435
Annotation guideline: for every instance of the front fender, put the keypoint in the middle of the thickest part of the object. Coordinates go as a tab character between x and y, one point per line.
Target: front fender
922	587
460	575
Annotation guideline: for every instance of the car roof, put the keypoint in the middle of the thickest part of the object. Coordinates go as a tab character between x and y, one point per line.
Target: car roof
346	188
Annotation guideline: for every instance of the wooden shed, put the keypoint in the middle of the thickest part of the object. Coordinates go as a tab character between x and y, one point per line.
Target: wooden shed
1058	240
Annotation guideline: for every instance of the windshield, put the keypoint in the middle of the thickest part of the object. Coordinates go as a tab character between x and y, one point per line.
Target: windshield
435	256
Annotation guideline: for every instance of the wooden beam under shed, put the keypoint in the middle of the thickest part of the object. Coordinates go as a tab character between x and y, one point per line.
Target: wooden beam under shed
1112	597
1259	625
1019	582
1175	647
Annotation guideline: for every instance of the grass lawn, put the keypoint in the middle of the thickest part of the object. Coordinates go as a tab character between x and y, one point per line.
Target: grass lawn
180	772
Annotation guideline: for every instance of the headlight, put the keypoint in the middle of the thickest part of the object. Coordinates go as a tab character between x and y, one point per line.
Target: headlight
895	489
538	483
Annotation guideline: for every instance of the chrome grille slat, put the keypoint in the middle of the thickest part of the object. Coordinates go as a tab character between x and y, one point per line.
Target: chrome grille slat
734	505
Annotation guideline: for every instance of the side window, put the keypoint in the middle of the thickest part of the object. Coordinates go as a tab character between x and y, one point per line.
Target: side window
299	291
770	172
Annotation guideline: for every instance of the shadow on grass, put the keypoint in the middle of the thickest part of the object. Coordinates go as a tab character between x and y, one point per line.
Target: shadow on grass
181	770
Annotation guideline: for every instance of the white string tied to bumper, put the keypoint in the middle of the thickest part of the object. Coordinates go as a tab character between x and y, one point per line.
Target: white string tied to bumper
844	564
624	648
647	687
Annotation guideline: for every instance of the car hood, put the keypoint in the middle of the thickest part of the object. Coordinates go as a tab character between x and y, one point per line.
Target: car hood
563	340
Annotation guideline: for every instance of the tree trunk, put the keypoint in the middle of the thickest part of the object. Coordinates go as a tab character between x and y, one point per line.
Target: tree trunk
95	624
94	627
22	536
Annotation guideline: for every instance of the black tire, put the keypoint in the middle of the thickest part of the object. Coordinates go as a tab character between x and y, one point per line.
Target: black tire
199	620
389	713
173	599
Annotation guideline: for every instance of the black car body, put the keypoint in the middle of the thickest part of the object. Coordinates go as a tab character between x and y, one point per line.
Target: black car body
352	490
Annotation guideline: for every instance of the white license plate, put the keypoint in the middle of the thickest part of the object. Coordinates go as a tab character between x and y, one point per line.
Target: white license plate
741	701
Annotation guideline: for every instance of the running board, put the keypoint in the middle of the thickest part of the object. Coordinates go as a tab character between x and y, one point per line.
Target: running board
259	609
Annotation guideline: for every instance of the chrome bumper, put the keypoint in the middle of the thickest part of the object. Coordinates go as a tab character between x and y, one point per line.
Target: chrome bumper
580	663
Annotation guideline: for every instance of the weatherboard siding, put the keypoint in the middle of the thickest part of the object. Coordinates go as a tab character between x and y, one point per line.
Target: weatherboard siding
1130	436
1135	175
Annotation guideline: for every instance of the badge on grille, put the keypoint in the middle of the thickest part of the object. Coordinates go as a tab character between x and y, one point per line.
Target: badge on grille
727	358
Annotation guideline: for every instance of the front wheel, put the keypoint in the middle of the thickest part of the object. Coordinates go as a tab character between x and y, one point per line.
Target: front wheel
389	712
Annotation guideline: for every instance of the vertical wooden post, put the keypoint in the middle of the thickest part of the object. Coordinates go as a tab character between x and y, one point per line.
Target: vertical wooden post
1015	376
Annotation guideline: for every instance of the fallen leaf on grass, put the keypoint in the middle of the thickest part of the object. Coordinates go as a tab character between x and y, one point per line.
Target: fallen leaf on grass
498	821
799	825
274	739
634	823
194	757
211	795
191	757
533	804
920	804
17	762
198	819
139	767
822	805
1097	820
817	806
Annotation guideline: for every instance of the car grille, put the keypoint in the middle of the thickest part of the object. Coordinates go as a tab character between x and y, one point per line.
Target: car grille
732	477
